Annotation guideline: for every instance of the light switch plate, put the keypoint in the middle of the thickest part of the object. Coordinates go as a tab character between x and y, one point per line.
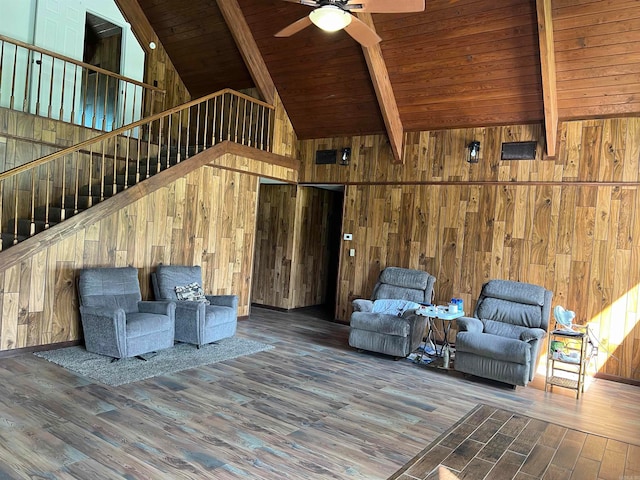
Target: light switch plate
347	236
352	252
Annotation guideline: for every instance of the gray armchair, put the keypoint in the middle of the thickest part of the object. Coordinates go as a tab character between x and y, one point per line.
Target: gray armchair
198	322
389	333
115	320
503	341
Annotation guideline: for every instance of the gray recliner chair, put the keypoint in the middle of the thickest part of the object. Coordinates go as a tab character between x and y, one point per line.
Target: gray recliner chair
397	334
503	341
199	322
115	320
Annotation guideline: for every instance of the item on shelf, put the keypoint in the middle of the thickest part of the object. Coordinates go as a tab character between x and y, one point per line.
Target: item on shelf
564	318
446	356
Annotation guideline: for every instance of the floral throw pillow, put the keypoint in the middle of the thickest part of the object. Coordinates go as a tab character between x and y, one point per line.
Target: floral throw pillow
192	292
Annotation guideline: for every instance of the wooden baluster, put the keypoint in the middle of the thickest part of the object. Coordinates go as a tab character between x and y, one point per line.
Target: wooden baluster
206	124
76	190
153	93
126	159
138	157
235	136
214	122
270	115
124	104
196	146
116	92
133	108
261	123
103	169
106	103
159	160
64	186
149	149
47	197
84	96
32	231
13	79
179	154
50	106
115	166
38	83
230	116
90	175
186	152
249	134
95	102
15	208
73	97
222	119
64	73
27	84
169	127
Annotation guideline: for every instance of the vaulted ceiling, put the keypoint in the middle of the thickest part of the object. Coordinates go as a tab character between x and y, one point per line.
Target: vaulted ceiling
460	63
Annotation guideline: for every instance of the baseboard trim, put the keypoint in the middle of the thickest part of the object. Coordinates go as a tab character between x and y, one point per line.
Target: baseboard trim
615	378
39	348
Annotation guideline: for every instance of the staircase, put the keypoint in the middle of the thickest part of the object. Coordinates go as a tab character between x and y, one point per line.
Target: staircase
41	194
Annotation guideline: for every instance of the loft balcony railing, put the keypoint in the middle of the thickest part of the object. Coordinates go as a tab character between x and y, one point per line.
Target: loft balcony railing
42	193
38	81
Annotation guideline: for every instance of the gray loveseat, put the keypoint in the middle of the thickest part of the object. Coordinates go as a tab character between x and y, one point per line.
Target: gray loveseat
388	333
503	341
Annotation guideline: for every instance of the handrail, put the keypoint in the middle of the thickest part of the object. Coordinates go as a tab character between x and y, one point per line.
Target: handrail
41	193
79	63
121	130
45	83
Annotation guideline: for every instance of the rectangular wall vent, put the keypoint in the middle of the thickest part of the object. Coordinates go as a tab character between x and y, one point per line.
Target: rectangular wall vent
518	151
326	157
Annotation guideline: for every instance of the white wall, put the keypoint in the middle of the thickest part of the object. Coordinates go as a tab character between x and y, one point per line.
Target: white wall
58	25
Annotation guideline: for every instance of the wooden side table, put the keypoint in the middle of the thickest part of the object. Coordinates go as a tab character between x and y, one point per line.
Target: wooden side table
568	368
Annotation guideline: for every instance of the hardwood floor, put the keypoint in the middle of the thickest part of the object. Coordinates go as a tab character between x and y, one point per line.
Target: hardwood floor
310	408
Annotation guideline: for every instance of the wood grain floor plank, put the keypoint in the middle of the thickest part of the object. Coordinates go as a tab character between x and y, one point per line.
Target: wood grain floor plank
310	408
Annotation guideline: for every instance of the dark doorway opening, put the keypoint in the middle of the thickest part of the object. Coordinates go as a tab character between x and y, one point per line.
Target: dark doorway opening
103	49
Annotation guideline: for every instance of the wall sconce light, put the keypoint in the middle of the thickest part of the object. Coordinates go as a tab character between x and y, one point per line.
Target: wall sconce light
346	156
474	152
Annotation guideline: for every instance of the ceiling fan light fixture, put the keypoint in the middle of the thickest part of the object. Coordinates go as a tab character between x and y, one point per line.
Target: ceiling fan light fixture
330	18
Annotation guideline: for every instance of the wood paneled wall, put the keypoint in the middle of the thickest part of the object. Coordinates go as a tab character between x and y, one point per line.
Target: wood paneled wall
571	224
275	226
160	72
25	137
291	263
206	217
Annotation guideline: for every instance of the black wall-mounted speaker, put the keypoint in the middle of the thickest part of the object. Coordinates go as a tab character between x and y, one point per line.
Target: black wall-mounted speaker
326	157
519	150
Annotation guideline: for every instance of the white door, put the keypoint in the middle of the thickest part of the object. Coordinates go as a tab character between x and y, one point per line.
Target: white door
59	27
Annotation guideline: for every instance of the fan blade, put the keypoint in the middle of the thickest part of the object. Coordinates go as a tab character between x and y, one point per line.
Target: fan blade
386	6
361	32
308	3
295	27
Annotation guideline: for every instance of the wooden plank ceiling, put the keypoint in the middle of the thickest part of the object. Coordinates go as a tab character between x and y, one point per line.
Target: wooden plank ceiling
463	63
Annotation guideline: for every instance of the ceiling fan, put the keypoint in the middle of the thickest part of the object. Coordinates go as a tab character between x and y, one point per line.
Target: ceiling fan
334	15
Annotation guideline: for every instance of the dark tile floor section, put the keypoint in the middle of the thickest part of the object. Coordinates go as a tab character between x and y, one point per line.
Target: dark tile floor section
495	444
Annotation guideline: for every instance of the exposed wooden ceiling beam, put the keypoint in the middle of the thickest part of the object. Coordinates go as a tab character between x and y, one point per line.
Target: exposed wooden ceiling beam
140	25
548	68
248	48
384	92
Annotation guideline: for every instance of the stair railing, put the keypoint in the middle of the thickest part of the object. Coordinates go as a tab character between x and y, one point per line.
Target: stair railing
41	82
44	192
